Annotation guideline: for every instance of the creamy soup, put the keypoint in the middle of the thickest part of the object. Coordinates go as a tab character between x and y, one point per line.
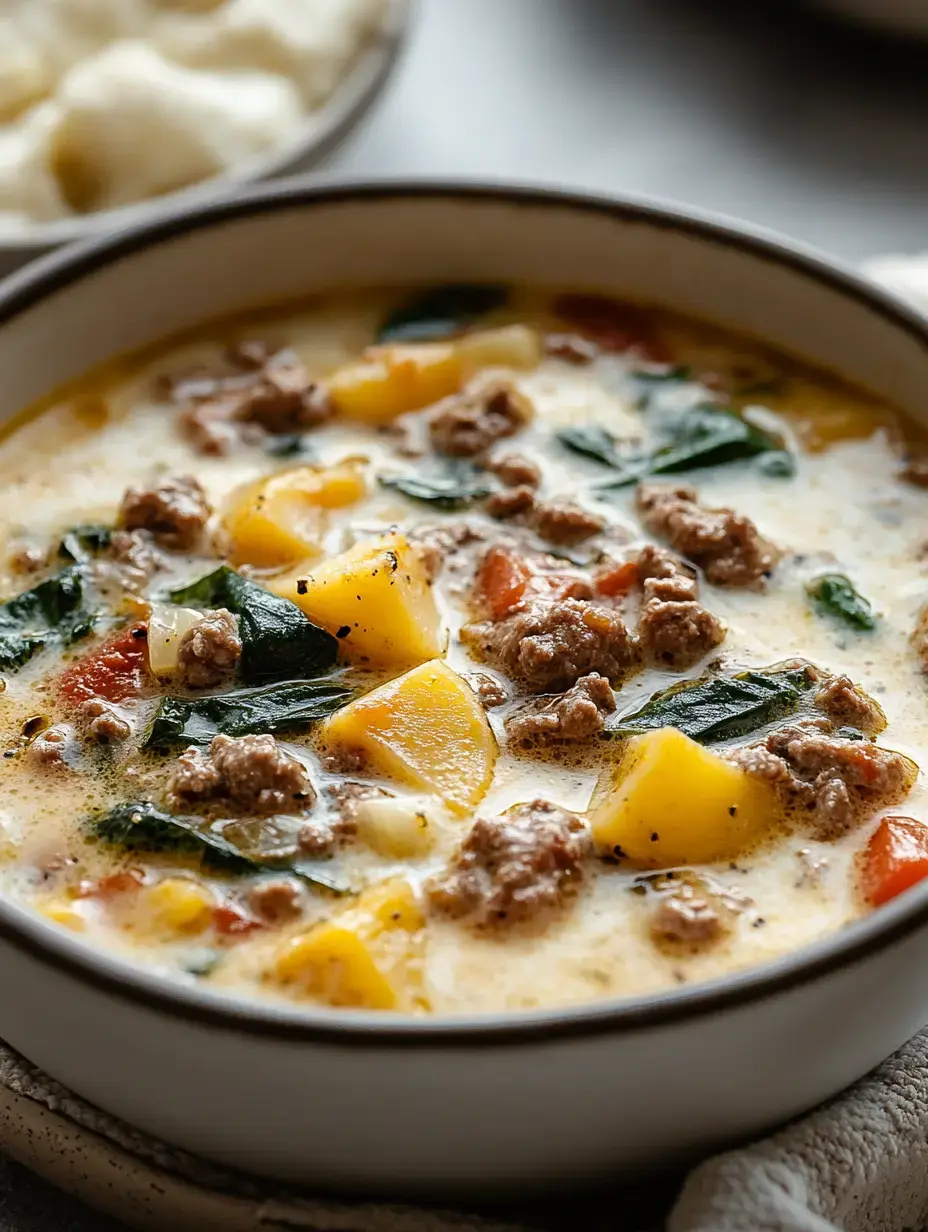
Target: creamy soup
458	650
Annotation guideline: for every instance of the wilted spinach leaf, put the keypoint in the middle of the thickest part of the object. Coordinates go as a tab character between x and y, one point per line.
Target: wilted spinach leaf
289	445
647	384
142	826
592	441
722	707
706	435
278	641
778	464
836	595
51	613
80	543
441	311
243	712
451	488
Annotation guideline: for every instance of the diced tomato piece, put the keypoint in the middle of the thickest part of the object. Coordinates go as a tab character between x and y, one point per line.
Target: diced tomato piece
231	923
616	579
115	670
501	581
114	886
614	326
896	858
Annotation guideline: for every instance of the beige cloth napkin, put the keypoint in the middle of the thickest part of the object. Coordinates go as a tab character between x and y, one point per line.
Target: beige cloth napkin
858	1164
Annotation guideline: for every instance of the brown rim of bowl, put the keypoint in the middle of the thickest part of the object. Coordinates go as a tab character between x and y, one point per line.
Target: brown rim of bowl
25	930
315	140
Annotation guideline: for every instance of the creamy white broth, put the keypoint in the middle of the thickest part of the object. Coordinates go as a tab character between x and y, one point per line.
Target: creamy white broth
846	509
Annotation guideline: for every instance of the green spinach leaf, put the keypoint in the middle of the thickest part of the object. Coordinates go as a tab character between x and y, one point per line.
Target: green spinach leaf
721	707
648	384
278	641
592	441
452	488
51	613
836	595
289	445
81	543
707	435
142	826
441	312
778	464
243	712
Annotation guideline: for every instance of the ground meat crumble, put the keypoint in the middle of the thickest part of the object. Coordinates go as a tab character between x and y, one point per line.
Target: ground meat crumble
838	781
249	773
104	724
514	867
849	706
578	714
675	630
515	471
550	645
175	512
469	423
269	391
726	546
210	650
691	917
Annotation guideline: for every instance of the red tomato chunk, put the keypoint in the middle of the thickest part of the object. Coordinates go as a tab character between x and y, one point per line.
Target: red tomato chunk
114	671
896	859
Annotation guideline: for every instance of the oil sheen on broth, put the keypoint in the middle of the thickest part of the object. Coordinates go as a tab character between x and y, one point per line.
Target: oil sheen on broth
341	673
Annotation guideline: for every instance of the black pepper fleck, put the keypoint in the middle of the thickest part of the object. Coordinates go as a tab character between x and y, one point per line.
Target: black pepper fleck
302	586
343	631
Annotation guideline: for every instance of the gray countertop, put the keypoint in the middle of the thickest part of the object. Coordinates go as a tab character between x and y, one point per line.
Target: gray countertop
748	107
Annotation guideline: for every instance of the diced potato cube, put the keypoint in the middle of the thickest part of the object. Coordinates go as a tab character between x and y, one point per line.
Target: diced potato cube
376	598
675	802
280	520
367	957
65	915
166	628
425	728
177	905
512	346
394	827
391	380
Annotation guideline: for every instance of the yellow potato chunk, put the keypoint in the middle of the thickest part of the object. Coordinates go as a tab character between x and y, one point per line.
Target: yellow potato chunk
279	520
394	379
177	905
367	957
675	802
64	915
376	598
425	728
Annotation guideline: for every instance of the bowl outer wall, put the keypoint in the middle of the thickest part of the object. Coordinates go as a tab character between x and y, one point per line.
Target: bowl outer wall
447	1107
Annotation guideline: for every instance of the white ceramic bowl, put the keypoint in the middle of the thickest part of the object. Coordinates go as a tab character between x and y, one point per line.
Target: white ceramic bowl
310	146
456	1105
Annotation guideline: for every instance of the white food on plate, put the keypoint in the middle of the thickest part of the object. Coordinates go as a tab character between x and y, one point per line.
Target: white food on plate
133	125
104	103
275	36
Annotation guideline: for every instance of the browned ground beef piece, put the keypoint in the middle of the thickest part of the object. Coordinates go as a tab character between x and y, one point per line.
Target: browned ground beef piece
837	781
489	690
132	557
277	900
470	423
577	714
689	917
849	706
675	630
103	722
49	747
439	545
323	836
513	867
284	398
561	522
210	650
511	503
550	645
269	391
249	773
515	470
175	512
727	547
